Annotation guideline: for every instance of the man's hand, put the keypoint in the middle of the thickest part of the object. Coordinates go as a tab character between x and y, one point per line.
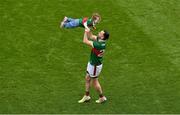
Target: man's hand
87	30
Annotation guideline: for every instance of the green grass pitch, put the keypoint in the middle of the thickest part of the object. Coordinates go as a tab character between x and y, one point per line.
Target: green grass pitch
42	67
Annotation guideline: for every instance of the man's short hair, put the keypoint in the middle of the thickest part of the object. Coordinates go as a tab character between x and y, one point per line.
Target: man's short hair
106	35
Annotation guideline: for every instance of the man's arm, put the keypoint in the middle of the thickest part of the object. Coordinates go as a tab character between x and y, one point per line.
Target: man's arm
86	41
90	35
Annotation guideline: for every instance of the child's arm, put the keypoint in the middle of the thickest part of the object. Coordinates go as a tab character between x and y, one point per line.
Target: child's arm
86	27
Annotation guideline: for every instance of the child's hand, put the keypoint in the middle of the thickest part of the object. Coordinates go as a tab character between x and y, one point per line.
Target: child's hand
94	27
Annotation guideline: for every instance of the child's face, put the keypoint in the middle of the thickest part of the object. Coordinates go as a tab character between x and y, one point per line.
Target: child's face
97	20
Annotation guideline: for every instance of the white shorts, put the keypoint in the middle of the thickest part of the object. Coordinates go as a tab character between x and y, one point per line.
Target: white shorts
94	71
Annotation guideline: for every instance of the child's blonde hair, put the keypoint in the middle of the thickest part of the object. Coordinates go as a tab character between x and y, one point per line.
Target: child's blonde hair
95	15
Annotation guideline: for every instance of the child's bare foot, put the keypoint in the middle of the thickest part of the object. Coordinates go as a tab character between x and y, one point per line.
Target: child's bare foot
65	19
62	24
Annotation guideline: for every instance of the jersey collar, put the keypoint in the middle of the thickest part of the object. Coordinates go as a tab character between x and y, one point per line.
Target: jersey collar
102	40
99	40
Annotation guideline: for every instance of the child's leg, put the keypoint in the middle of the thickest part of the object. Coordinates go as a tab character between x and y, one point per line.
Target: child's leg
72	24
69	19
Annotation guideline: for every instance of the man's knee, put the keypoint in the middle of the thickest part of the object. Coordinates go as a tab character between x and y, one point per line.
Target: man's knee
88	78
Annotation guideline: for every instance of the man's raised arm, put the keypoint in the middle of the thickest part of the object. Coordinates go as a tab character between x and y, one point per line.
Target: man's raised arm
86	40
90	35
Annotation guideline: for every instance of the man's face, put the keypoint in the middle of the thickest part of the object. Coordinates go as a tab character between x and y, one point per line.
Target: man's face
101	34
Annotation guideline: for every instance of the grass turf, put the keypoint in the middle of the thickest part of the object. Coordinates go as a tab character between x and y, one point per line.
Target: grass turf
42	67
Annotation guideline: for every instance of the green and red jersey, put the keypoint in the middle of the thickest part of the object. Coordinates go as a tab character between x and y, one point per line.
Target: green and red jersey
83	20
97	52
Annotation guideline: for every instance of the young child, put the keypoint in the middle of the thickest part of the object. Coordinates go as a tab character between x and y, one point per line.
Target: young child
82	22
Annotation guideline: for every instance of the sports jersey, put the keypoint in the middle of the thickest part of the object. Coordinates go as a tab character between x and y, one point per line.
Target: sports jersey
97	52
